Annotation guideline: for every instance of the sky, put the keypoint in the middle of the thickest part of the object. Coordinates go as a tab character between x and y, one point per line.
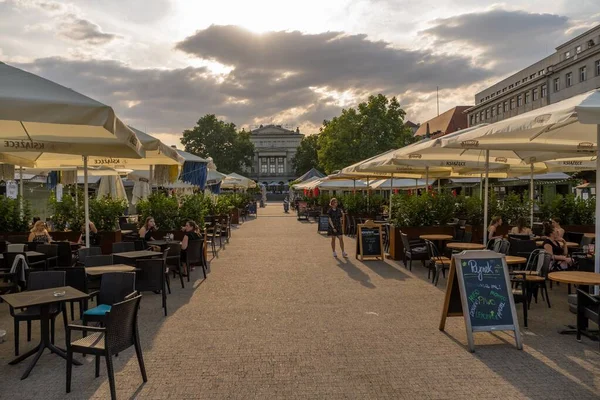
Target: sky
163	64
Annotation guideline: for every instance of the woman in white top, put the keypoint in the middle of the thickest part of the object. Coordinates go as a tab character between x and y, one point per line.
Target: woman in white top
521	228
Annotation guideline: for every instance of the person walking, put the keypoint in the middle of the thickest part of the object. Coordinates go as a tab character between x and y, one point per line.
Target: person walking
335	226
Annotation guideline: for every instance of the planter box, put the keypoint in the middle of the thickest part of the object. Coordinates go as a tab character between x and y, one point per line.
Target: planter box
580	228
235	216
413	232
107	239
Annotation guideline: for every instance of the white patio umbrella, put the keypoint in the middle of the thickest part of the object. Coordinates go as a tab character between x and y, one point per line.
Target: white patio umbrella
41	119
568	126
233	180
112	186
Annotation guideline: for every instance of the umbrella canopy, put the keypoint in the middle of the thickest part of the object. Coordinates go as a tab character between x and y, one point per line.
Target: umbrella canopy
234	180
339	184
214	177
313	172
112	186
303	185
38	117
386	184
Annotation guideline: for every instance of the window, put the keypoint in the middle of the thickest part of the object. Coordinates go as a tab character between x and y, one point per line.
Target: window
556	84
567	55
519	100
481	116
598	68
544	91
497	93
535	94
271	168
280	168
540	72
517	83
578	49
511	86
272	160
531	76
499	109
487	113
476	119
472	119
493	113
569	79
280	160
582	74
263	165
503	90
482	100
505	109
524	80
492	95
527	97
512	103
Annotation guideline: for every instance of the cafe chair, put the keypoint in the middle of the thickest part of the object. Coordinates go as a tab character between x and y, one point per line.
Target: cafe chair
119	333
173	261
51	252
38	281
521	248
17	239
151	278
115	286
195	256
32	246
502	246
65	254
17	248
9	259
588	308
519	291
99	261
76	278
437	262
123	247
414	250
537	268
584	264
84	252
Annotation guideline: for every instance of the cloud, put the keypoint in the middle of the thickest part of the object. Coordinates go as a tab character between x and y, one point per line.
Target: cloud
79	29
506	39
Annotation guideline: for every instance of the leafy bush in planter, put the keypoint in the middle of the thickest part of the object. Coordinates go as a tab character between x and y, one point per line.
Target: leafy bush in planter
164	210
570	209
353	203
11	219
66	214
513	207
223	205
105	213
194	207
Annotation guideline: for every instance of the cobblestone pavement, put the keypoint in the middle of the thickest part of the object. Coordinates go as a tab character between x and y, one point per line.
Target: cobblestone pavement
278	317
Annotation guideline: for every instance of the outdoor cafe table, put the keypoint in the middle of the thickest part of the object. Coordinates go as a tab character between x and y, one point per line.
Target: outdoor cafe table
163	244
94	271
590	235
515	260
581	278
42	298
129	257
438	238
465	246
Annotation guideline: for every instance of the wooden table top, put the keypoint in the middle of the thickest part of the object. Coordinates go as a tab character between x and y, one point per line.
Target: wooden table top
575	277
29	254
138	254
510	260
44	296
590	235
465	246
162	242
436	237
109	268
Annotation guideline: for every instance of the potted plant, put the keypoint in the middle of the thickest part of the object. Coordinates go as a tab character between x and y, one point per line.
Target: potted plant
104	213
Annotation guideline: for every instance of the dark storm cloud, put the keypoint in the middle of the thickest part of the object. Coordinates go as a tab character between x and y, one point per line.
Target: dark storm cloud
330	59
511	39
83	30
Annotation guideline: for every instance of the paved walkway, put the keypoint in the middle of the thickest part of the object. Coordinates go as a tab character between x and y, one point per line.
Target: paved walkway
278	317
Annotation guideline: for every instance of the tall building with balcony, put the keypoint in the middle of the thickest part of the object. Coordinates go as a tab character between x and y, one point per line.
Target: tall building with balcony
275	147
573	69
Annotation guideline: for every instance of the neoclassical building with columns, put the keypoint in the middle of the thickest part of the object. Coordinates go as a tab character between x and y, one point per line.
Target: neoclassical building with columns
275	147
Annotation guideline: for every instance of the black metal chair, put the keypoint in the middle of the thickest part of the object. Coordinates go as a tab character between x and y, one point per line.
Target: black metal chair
521	248
174	261
76	278
588	308
122	247
9	259
140	244
120	333
32	246
98	261
519	291
151	278
437	262
38	281
84	252
51	252
65	254
210	238
413	250
537	268
195	256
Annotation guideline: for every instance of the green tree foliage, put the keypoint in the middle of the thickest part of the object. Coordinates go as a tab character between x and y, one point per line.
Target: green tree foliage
306	155
231	150
373	128
11	219
105	212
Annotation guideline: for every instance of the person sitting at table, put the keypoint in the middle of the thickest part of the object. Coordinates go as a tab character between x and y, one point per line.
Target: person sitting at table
191	233
148	229
39	233
93	234
496	222
557	248
521	228
559	230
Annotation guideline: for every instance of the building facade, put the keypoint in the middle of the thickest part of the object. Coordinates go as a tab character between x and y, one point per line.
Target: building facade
573	69
275	147
447	122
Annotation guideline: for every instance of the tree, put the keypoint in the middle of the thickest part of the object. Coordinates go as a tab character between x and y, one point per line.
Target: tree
232	151
306	155
357	134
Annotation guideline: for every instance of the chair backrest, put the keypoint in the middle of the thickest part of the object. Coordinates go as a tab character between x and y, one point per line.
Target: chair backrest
88	251
151	274
46	280
65	256
432	250
194	251
537	229
521	248
75	277
50	250
405	242
31	246
586	264
491	244
575	237
98	261
115	286
502	246
519	237
586	241
140	244
121	325
174	250
128	227
3	246
122	247
467	237
16	248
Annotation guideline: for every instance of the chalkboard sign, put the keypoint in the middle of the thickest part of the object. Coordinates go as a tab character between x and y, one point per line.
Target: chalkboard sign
479	289
369	241
323	224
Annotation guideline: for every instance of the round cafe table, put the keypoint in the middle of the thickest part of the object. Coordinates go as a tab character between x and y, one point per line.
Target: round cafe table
437	238
581	278
590	235
465	246
515	260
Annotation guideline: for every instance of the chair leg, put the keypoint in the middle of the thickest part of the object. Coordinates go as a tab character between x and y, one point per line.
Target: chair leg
181	275
72	310
164	300
52	329
29	331
69	368
16	329
97	366
138	352
168	282
545	289
111	376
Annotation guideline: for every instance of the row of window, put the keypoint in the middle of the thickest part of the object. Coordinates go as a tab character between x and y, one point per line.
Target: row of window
517	83
268	165
579	49
583	75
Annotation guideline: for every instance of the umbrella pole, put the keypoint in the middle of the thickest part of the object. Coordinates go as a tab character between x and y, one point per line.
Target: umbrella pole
86	203
481	187
368	195
21	189
439	185
485	199
426	179
150	177
531	189
76	189
596	252
391	193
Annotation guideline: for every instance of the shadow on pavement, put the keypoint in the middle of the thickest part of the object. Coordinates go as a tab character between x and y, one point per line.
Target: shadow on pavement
355	273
